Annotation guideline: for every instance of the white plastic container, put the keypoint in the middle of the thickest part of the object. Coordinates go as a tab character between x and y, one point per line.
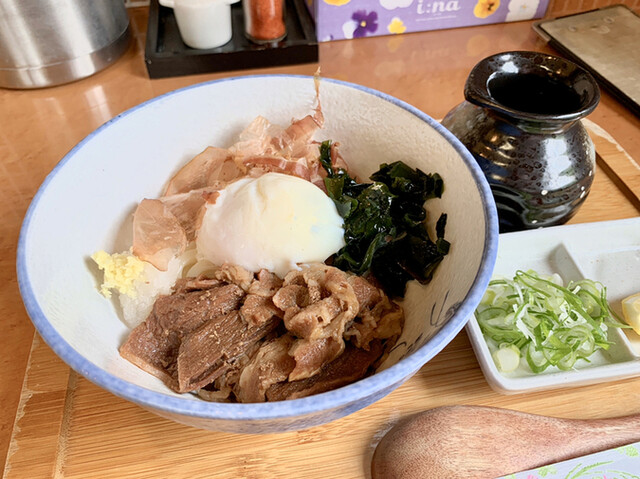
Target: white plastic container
203	24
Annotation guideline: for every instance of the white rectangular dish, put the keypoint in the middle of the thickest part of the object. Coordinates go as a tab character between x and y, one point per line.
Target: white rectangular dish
608	252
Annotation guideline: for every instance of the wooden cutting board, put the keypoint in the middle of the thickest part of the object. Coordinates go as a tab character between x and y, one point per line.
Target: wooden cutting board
617	163
66	427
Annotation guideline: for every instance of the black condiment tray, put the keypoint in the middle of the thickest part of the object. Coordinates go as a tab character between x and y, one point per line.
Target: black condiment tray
166	55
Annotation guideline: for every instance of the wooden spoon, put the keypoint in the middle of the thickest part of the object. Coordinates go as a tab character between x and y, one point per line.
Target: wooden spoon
485	442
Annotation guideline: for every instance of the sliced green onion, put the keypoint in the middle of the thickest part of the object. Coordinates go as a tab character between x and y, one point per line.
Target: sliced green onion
547	323
507	357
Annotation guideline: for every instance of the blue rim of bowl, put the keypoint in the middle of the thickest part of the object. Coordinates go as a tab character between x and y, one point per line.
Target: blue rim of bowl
335	399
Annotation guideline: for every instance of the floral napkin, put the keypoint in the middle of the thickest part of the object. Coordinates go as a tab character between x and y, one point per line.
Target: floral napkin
619	463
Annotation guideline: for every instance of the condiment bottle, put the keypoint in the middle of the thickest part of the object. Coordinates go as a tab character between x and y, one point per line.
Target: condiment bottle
264	20
202	24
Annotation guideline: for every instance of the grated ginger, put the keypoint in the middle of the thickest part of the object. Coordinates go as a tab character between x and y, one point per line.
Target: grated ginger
121	271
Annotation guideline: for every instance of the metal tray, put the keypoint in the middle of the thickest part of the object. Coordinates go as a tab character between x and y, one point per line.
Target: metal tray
605	42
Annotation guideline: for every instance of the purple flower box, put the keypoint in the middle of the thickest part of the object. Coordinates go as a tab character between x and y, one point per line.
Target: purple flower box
346	19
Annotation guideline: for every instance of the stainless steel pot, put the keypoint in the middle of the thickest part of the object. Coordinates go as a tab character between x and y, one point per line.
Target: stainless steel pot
50	42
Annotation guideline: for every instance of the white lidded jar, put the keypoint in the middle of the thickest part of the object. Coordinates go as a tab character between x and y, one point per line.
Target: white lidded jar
203	24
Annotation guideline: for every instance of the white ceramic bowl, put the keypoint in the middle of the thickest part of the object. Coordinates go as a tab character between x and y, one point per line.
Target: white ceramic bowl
86	203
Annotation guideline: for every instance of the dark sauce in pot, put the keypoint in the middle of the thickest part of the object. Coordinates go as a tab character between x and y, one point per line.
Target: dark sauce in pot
534	94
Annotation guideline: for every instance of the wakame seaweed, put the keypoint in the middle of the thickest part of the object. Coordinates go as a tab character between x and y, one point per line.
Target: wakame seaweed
384	223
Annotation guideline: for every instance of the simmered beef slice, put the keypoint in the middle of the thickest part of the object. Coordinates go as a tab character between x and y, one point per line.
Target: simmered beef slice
312	321
291	298
311	355
232	273
221	389
318	303
257	310
185	285
272	364
350	366
185	311
152	352
265	284
210	351
325	288
366	293
154	344
256	337
377	318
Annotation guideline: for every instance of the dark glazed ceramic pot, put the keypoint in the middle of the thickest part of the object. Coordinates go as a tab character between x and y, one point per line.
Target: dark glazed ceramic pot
521	122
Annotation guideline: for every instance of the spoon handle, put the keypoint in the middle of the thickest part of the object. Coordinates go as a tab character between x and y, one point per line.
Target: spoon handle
482	442
595	435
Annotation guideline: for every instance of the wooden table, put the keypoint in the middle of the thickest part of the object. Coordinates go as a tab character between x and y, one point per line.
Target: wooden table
54	423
